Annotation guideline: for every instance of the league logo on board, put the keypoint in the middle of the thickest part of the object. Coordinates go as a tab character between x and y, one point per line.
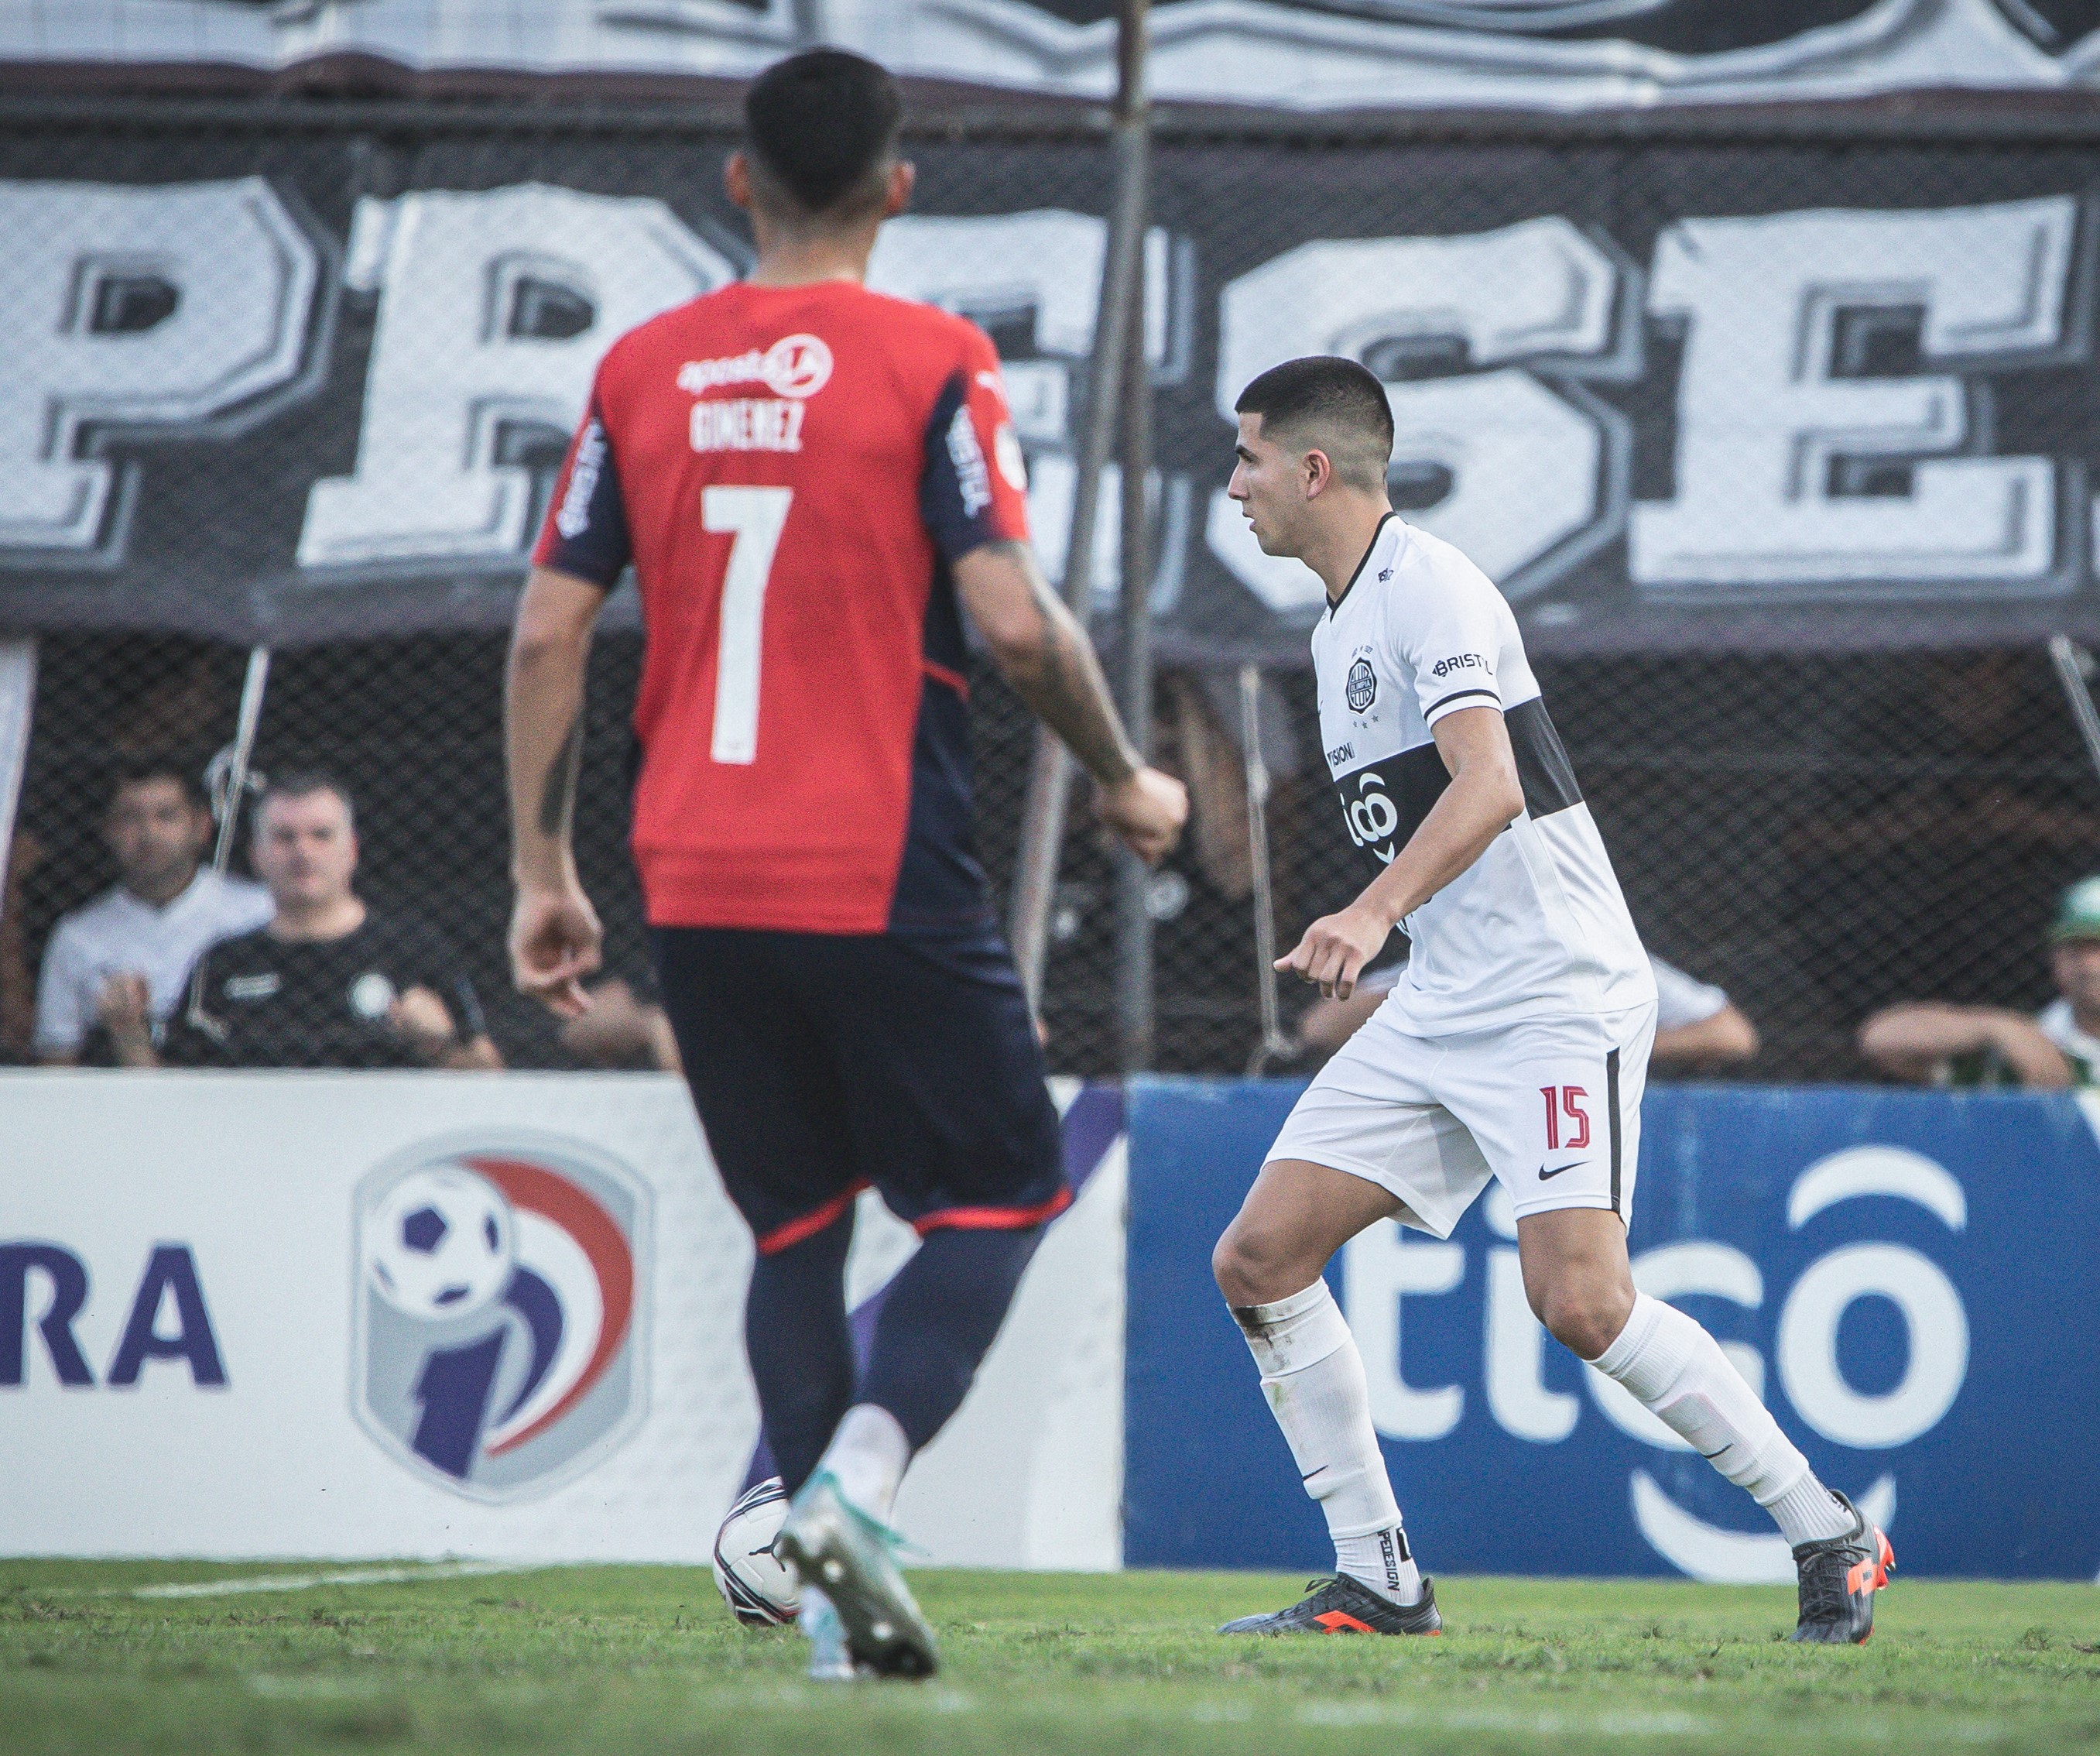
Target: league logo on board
499	1346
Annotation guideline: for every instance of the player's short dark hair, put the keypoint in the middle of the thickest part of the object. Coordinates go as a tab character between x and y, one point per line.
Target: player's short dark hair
141	770
1332	405
302	783
821	130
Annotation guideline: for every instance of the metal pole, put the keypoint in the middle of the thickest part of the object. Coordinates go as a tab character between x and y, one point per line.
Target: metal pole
1274	1045
2074	665
18	701
226	780
229	770
1133	921
1050	771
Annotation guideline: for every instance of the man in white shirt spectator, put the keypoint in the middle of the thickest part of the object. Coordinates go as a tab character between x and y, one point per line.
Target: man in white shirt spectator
1928	1042
1696	1023
120	962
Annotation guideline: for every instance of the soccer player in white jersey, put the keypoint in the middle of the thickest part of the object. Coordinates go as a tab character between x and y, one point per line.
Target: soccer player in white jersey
1515	1046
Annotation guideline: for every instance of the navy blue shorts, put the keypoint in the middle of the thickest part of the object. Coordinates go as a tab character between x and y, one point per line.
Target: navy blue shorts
822	1064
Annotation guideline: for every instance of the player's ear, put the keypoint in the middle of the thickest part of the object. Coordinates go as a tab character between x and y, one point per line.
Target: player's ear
1315	473
896	187
736	178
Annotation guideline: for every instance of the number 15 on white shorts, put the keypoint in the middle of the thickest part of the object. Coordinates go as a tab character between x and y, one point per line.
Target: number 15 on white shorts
1551	1106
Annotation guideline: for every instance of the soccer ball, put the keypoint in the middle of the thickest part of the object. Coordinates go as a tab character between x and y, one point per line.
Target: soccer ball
439	1243
757	1585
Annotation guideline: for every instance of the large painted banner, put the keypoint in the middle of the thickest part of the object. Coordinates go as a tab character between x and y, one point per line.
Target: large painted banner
288	386
427	1315
1296	54
1909	1277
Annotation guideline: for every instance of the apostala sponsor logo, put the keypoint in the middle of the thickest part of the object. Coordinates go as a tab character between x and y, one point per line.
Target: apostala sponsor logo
795	366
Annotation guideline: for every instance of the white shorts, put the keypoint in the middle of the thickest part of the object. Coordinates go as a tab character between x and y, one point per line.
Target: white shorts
1550	1106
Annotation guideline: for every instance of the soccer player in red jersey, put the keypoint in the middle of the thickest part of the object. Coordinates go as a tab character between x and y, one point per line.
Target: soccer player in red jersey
813	482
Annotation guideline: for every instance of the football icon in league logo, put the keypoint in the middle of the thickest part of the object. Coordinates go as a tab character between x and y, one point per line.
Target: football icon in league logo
499	1339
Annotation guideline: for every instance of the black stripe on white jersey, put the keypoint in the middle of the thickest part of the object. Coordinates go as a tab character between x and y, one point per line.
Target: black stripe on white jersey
1383	803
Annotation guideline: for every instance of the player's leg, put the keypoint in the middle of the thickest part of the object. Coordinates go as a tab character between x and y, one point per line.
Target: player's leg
951	1118
1576	1276
949	1110
1268	1265
760	1078
943	1313
799	1344
1360	1146
1570	1169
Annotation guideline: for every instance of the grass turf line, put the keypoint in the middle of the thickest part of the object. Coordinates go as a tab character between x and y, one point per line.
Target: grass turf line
631	1661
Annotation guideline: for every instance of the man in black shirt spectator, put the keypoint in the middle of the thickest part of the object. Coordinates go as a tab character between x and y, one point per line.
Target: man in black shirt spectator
329	982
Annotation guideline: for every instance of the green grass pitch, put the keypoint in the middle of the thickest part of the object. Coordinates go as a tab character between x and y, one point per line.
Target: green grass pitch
630	1661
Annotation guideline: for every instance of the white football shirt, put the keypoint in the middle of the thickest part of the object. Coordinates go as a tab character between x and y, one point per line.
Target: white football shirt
118	934
1537	926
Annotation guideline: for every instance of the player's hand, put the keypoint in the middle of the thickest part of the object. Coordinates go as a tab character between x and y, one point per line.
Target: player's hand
1147	809
1336	948
555	942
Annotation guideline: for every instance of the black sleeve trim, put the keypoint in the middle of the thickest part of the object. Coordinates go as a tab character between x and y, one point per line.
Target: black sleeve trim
955	492
589	520
1459	694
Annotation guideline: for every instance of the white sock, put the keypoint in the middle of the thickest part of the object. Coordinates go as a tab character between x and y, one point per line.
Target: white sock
867	1455
1313	1377
1678	1373
1809	1512
1383	1561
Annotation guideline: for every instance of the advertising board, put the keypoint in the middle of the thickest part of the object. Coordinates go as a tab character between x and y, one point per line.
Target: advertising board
421	1315
1908	1276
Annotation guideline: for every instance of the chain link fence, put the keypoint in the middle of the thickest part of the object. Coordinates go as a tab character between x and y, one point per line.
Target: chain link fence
1819	837
1818	826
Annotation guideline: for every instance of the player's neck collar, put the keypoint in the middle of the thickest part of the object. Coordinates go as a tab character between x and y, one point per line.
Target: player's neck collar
1371	549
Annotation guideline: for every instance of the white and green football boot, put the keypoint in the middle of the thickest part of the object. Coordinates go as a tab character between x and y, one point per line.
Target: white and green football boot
848	1558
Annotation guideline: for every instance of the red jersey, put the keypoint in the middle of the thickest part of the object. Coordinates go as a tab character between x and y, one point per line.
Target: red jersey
792	471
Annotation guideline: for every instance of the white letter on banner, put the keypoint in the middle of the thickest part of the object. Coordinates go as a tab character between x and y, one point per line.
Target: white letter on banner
1379	1268
134	306
1936	1334
1527	466
495	310
1779	390
1517	1395
1044	265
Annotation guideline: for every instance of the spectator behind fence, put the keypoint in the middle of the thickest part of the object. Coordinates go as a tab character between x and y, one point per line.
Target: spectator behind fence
331	982
1696	1023
119	965
1930	1043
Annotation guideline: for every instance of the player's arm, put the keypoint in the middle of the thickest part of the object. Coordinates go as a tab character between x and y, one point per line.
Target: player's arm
554	933
1912	1042
1048	662
1484	796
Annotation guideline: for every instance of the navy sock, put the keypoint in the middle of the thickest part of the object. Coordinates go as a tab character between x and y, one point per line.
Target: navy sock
800	1349
938	1320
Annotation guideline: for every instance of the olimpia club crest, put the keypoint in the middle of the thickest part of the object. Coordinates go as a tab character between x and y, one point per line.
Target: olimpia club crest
499	1341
